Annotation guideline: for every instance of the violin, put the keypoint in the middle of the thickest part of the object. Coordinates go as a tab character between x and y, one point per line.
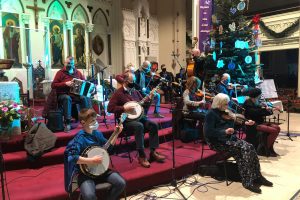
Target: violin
228	115
200	93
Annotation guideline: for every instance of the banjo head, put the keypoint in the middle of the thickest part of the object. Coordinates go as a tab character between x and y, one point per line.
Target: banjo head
95	169
139	111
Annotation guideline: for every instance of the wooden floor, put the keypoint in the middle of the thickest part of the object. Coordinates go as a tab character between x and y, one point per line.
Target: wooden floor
283	171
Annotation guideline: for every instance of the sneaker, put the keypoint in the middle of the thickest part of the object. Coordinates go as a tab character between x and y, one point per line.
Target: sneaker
157	115
67	128
144	162
155	156
253	188
263	181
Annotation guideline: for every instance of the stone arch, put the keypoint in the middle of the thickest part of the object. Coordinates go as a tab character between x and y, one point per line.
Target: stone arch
13	6
57	11
79	14
99	11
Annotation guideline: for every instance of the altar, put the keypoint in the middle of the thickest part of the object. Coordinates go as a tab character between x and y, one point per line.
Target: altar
9	91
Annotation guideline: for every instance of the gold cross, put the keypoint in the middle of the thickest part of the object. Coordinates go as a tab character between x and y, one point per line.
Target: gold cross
36	10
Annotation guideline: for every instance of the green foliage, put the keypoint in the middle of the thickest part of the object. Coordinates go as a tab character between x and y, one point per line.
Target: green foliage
9	111
227	15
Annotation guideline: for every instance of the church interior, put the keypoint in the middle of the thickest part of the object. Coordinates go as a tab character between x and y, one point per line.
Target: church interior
149	99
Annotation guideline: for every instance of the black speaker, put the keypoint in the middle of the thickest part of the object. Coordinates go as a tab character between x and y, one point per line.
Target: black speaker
55	121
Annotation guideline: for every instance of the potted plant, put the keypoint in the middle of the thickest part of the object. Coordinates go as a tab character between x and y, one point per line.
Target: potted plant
9	111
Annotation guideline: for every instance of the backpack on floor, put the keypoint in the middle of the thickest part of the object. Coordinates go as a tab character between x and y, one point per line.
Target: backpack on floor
38	140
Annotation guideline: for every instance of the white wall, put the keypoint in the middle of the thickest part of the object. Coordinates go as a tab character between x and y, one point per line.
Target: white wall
166	14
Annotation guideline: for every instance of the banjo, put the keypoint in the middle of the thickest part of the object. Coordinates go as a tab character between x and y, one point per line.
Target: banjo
139	110
95	170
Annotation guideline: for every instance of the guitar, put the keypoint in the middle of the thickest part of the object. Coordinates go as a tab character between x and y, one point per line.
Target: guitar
96	170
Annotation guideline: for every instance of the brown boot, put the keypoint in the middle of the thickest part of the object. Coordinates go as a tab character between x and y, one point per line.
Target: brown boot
155	156
144	162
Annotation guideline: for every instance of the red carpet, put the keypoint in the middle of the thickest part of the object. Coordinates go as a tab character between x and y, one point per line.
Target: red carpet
44	178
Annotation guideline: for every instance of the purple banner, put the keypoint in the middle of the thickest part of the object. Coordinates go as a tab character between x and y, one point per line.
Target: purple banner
205	12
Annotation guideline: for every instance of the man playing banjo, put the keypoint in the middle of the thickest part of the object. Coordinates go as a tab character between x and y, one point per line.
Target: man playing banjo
89	137
116	105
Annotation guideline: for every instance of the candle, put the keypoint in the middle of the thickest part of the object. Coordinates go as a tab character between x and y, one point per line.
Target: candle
26	59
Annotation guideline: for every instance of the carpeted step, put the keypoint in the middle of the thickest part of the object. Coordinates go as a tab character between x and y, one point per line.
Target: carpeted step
48	182
17	142
19	159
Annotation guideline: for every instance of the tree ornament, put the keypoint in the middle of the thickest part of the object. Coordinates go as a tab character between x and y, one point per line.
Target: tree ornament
221	45
241	6
232	26
248	59
220	63
233	10
231	65
220	29
214	56
212	43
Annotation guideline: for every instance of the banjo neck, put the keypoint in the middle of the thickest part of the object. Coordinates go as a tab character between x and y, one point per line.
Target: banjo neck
147	97
110	141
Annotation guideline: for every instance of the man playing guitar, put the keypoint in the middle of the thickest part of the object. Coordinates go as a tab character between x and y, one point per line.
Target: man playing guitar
116	105
62	82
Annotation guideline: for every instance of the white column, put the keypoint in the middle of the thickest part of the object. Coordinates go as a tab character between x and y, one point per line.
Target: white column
47	51
116	37
88	29
195	18
69	26
298	91
25	19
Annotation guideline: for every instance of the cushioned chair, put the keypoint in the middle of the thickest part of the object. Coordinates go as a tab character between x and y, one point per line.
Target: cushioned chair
101	190
205	146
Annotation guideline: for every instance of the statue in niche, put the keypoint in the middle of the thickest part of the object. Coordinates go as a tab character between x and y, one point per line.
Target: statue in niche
56	43
11	38
79	46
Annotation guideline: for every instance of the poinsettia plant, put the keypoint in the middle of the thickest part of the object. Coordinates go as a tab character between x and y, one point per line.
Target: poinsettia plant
9	111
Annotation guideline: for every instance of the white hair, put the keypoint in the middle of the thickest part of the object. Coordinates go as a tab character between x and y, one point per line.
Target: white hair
220	100
226	75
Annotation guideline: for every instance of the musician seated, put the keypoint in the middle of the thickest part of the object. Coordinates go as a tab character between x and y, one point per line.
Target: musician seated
192	102
255	111
143	84
219	134
89	136
166	87
138	127
62	82
180	79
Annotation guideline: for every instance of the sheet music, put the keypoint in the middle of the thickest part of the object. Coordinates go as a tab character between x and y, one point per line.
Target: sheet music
268	89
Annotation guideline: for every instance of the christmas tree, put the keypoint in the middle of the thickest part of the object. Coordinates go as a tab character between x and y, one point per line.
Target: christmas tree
233	43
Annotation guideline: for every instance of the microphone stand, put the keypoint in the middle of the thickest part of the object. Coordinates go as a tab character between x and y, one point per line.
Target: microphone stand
104	96
174	123
175	58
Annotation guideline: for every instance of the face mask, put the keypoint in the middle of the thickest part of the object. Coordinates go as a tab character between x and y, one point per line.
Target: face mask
130	85
94	126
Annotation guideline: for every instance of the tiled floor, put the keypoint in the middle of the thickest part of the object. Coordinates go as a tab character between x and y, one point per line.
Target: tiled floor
283	171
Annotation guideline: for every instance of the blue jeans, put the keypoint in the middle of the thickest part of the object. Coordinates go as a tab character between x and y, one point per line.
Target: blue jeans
65	102
156	100
138	128
88	191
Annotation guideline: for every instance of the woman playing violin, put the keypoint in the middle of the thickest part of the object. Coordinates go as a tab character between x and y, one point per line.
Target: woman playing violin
255	111
219	134
191	102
